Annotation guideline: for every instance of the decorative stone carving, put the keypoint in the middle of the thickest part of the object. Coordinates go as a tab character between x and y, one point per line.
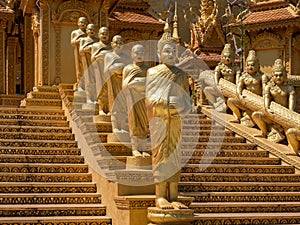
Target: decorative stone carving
252	79
69	12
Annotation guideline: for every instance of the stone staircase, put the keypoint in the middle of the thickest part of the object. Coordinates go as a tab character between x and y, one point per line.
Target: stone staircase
43	176
233	177
234	181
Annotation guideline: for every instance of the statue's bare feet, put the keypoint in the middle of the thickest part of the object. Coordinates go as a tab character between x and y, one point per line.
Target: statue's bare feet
146	154
163	203
179	205
102	113
136	153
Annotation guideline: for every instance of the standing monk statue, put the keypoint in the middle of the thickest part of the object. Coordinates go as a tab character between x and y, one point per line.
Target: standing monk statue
85	49
253	80
134	82
114	63
99	49
75	41
279	91
167	100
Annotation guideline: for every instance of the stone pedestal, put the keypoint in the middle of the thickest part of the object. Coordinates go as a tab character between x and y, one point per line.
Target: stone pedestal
142	163
101	118
170	216
119	137
89	106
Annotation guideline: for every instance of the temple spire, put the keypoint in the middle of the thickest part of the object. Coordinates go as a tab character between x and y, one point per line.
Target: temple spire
175	25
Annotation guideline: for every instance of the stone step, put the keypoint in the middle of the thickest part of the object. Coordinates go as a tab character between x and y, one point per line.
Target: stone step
243	196
47	88
194	118
22	117
97	137
32	111
37	143
216	145
45	123
206	125
35	129
245	207
61	220
53	210
32	102
45	177
213	139
40	150
113	149
56	159
239	187
42	168
246	218
36	136
231	168
103	127
232	160
239	177
45	198
67	92
44	95
48	187
217	152
65	86
217	133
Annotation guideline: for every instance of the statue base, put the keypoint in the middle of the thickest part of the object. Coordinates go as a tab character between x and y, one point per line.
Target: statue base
89	106
102	118
119	137
170	216
140	163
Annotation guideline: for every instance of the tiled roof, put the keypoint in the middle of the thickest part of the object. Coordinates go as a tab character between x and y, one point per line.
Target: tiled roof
133	16
269	16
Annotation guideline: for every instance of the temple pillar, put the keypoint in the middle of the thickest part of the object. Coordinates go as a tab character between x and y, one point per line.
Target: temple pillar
11	62
28	57
44	40
2	56
288	56
36	46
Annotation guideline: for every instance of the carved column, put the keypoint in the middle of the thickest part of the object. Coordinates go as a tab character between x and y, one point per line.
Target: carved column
28	59
44	42
37	47
288	56
11	62
57	28
2	56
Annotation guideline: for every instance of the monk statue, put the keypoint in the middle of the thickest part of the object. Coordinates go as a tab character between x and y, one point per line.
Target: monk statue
75	41
85	49
279	91
134	83
98	51
114	63
253	80
167	100
227	70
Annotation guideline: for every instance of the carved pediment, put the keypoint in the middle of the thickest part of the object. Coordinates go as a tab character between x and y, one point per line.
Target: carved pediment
69	12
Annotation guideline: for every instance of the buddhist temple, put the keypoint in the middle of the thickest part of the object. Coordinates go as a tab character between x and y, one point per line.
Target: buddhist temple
224	87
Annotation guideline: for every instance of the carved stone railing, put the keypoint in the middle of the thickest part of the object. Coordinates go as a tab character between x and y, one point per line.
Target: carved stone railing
280	115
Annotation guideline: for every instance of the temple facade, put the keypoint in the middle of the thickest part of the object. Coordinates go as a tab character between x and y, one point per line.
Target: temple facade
35	38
